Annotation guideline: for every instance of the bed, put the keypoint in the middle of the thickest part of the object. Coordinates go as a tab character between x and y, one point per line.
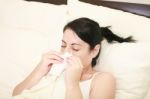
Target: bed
40	23
136	8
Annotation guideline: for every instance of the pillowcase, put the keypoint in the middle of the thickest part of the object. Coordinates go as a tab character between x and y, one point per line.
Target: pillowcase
42	17
123	23
27	30
20	52
148	94
128	62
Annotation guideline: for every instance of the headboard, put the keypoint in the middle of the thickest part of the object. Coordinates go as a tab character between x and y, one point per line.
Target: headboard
57	2
135	8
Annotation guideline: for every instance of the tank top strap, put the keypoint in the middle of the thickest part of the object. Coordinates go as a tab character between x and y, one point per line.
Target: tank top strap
95	75
86	86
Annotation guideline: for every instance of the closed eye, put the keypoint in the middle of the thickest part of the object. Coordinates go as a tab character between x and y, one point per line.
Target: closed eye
76	49
63	46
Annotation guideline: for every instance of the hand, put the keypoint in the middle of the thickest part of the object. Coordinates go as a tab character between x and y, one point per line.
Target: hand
74	70
48	59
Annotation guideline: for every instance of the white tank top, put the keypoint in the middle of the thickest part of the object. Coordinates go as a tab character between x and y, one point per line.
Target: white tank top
86	86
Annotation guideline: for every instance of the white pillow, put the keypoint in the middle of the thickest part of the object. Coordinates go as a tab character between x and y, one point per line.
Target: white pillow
43	17
20	52
148	94
27	30
122	23
130	63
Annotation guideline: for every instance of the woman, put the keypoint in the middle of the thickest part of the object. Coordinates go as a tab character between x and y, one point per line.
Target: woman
82	38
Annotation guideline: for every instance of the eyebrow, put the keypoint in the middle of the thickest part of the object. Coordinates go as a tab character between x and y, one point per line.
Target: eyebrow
72	43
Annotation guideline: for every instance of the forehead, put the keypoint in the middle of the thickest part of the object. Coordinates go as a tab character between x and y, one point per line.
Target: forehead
70	36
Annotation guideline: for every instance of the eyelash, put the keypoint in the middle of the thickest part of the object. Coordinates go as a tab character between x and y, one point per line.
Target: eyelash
75	49
63	46
72	48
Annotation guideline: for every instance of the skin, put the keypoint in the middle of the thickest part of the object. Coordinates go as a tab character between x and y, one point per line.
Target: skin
79	68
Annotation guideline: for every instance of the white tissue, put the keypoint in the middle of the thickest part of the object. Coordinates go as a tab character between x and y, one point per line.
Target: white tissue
57	69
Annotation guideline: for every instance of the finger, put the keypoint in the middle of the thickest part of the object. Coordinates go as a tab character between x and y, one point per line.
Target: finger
54	62
54	57
75	61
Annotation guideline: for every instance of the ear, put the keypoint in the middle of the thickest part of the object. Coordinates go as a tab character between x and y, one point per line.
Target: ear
95	51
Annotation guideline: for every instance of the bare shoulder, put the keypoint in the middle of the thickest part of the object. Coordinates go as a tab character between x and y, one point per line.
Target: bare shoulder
104	77
104	83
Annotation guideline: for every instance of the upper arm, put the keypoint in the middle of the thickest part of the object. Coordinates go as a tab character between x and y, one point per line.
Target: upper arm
103	87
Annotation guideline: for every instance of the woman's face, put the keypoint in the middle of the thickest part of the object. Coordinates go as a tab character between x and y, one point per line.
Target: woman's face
73	44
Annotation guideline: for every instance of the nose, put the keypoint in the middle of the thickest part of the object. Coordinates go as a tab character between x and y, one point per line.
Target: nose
68	49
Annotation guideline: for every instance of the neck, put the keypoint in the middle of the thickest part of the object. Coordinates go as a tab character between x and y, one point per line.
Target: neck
87	73
87	70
